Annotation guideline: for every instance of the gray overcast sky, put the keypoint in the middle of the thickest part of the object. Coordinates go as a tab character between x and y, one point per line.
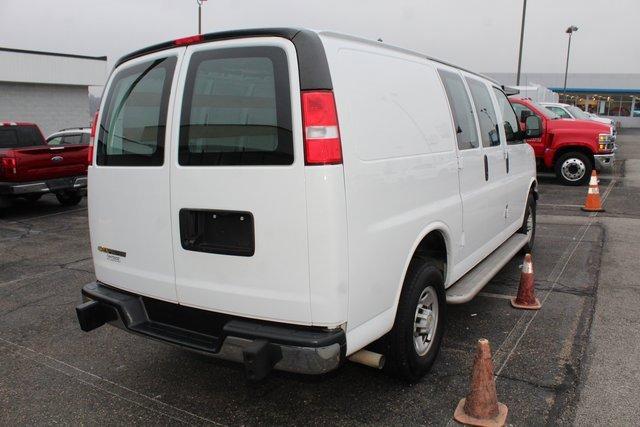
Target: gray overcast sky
480	35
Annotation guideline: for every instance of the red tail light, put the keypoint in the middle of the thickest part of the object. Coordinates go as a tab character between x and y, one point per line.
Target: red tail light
8	166
184	41
321	131
94	125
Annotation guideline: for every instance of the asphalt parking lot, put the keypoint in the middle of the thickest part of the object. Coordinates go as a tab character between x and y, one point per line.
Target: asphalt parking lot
551	365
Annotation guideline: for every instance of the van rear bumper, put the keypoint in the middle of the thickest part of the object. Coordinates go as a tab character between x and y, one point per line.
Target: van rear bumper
261	346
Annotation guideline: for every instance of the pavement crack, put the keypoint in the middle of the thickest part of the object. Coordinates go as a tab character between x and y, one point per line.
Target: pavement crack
554	389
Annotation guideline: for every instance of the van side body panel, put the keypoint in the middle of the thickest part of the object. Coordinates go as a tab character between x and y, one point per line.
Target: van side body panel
327	237
400	170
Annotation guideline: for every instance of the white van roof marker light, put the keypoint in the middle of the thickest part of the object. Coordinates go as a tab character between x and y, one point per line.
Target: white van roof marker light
185	41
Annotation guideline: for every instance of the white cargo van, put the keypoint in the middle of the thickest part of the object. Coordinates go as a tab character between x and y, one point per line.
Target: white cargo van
286	198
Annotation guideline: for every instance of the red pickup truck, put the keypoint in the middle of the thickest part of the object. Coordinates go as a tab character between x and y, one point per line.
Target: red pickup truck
571	148
30	168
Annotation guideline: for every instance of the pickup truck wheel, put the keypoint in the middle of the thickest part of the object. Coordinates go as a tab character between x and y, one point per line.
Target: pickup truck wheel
68	198
529	223
414	342
573	168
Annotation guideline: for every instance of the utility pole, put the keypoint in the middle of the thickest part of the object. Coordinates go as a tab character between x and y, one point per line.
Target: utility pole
200	15
572	29
524	13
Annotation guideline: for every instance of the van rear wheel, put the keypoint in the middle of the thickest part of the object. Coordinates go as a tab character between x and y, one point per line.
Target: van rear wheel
414	342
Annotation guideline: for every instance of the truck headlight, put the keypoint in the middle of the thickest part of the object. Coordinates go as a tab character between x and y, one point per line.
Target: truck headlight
604	138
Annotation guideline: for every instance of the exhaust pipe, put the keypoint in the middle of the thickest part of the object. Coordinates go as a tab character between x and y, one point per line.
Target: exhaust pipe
368	358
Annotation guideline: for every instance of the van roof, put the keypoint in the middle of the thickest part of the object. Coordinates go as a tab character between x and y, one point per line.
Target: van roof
312	61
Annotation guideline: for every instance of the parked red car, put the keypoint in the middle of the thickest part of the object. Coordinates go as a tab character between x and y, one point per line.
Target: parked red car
571	148
30	168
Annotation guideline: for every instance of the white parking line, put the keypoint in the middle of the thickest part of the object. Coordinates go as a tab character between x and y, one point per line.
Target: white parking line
492	295
45	216
559	205
33	355
554	282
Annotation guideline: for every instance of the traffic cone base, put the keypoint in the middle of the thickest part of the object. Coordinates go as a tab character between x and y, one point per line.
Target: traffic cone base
481	407
463	418
593	203
535	306
592	209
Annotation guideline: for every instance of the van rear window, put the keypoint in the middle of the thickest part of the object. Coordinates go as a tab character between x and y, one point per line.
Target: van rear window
236	109
132	130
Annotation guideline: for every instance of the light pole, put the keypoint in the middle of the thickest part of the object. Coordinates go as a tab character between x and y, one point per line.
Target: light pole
572	29
524	13
200	15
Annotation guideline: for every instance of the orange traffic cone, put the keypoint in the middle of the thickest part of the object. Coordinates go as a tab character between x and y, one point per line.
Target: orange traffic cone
593	202
481	406
526	291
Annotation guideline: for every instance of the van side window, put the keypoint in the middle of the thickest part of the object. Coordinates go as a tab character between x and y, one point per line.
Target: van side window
236	109
486	113
510	123
465	125
132	130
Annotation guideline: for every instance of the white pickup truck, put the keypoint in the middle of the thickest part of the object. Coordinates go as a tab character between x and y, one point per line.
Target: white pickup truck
289	198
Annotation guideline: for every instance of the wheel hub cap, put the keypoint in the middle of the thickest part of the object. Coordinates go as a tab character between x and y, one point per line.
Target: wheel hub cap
530	224
573	169
426	320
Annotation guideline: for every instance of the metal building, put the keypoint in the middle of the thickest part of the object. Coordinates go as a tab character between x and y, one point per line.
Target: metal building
46	88
615	96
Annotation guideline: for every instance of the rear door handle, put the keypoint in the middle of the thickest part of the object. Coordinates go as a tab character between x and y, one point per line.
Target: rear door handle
486	168
506	159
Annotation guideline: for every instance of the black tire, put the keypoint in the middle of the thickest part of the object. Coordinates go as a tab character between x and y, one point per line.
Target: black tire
530	211
577	162
68	198
32	197
402	357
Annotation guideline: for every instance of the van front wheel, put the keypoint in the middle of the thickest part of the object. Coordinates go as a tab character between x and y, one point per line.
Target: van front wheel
414	342
529	224
573	168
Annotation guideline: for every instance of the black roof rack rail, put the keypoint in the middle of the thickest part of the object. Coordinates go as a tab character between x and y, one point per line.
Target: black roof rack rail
74	128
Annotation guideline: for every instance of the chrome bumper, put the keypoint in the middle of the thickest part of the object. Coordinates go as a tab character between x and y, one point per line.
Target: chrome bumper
21	188
604	161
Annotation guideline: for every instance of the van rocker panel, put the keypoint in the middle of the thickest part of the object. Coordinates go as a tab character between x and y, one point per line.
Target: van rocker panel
305	350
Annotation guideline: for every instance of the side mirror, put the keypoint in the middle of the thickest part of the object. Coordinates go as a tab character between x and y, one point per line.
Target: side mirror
524	114
533	127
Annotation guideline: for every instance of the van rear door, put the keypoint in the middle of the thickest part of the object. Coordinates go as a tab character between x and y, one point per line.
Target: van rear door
129	198
238	200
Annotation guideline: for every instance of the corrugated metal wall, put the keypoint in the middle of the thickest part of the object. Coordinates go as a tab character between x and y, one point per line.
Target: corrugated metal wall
51	69
52	107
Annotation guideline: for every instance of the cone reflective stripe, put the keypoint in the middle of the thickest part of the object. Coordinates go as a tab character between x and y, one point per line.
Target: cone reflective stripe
481	406
526	290
593	202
